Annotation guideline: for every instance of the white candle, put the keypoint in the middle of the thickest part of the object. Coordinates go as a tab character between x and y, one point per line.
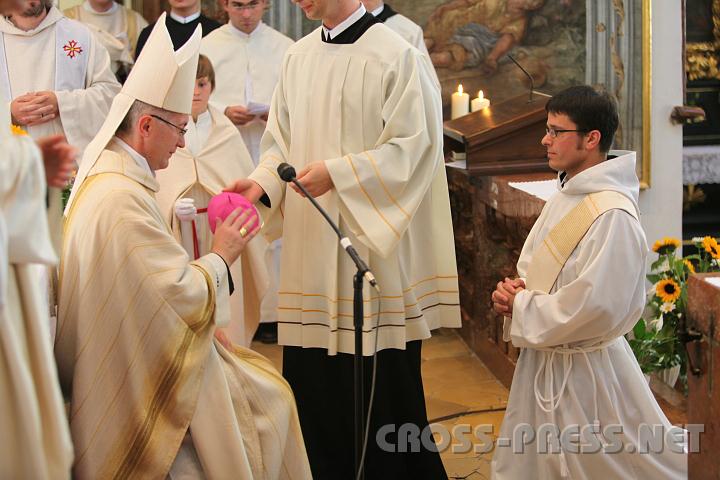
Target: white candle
460	103
479	103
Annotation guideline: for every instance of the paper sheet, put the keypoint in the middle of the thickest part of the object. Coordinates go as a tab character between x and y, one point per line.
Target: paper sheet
258	108
713	281
542	189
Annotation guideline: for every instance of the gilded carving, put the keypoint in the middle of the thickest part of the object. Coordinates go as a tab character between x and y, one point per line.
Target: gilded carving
702	57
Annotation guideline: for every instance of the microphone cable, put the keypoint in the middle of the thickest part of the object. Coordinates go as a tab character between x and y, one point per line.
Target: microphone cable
372	390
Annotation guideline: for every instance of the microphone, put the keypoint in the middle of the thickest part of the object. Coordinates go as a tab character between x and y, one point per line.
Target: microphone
287	174
532	84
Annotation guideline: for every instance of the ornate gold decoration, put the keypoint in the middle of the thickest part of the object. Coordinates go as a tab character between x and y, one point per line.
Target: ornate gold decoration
646	91
701	61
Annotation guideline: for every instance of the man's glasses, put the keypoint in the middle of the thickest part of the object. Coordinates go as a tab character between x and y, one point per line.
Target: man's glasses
182	131
553	132
248	6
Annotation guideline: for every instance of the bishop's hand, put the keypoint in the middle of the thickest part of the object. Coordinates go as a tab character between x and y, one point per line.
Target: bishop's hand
232	235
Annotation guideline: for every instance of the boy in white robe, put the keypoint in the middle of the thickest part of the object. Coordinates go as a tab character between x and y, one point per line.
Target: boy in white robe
358	113
247	56
576	297
213	152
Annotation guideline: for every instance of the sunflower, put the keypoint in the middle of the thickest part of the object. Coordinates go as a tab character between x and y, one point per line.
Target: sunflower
711	246
666	245
668	290
689	265
16	130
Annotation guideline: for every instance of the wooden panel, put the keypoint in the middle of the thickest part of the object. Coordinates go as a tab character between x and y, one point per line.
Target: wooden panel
703	404
491	221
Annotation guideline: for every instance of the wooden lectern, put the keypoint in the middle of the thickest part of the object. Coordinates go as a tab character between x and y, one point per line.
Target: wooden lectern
502	139
704	388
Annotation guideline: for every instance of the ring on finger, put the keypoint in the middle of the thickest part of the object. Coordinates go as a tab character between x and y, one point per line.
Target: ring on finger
243	232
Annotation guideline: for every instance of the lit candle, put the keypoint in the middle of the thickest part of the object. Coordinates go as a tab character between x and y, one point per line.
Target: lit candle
460	103
479	103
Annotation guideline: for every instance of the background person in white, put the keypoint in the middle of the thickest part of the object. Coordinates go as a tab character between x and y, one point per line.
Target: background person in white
575	367
32	39
121	23
398	23
247	56
58	80
358	113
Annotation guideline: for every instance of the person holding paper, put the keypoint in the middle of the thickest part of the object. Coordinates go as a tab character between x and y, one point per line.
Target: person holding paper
247	56
213	151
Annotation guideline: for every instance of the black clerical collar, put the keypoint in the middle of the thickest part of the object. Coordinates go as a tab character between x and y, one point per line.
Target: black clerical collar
353	33
386	13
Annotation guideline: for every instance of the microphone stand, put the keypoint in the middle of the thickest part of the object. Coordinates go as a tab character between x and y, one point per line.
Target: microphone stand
532	84
363	272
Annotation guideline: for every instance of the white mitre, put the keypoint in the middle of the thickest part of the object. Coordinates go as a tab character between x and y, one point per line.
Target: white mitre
161	77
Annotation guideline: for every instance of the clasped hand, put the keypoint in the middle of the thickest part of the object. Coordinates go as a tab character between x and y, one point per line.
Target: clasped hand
504	295
34	108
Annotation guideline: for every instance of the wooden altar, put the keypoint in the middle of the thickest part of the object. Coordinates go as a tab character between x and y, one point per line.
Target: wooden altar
704	389
491	221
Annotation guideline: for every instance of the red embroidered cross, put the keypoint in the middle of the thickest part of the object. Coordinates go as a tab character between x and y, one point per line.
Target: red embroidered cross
72	48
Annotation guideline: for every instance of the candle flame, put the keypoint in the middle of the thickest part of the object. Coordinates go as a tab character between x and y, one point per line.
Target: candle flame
460	89
480	95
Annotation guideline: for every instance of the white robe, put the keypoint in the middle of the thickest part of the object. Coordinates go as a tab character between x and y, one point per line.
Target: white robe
30	58
374	116
214	153
409	30
37	438
116	23
597	298
247	68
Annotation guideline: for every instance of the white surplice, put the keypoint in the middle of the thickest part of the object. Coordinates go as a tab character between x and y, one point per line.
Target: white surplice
375	120
247	68
30	62
597	298
30	58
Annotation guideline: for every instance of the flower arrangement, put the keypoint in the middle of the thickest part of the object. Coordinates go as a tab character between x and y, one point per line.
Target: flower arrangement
655	339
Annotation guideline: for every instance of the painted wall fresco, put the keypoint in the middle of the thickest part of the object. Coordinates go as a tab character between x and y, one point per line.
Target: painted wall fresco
468	40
